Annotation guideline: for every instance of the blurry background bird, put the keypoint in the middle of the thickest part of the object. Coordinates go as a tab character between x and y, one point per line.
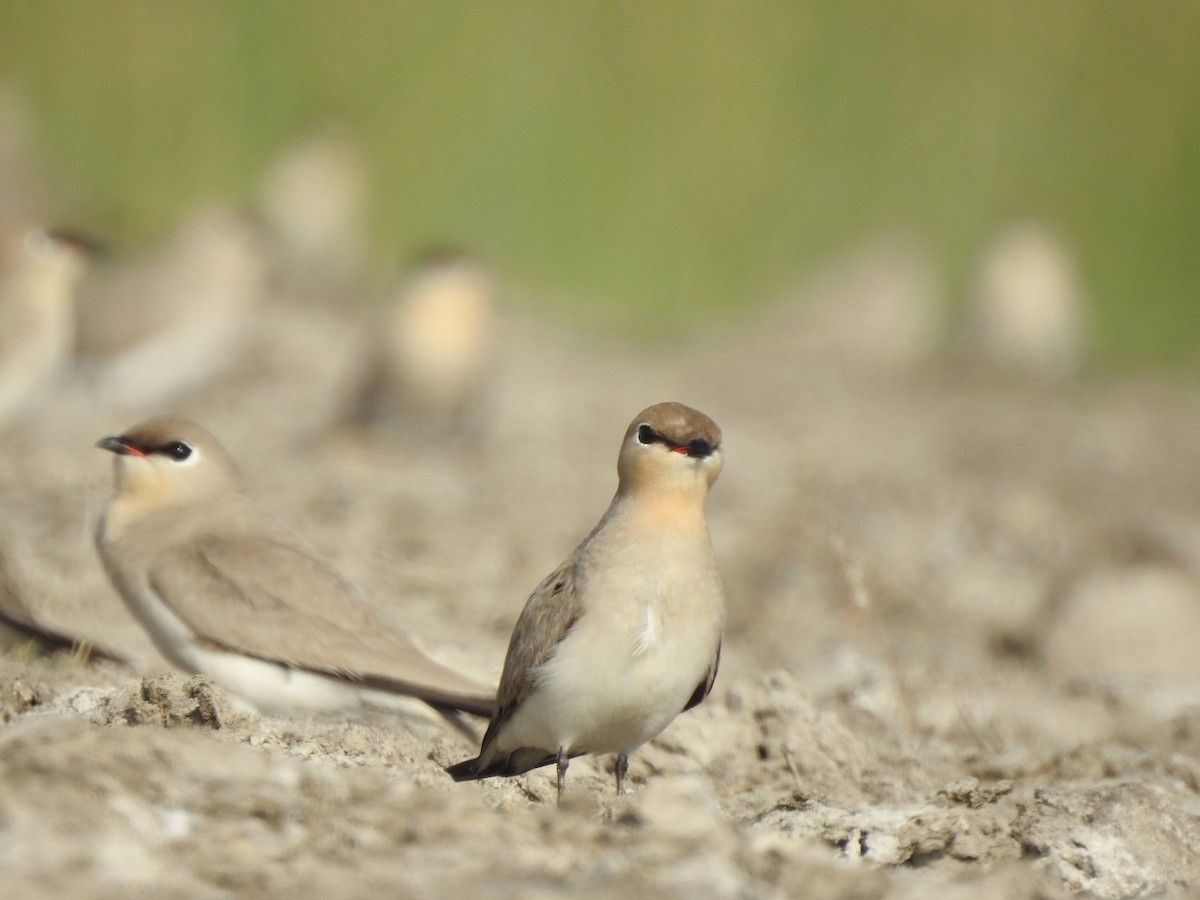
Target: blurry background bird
20	628
312	201
40	269
1027	310
426	358
879	306
22	190
151	328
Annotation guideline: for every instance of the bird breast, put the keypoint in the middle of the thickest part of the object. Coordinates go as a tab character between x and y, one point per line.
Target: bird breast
652	619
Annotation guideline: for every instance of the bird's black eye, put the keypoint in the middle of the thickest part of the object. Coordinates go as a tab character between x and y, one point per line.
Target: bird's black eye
177	450
700	448
646	434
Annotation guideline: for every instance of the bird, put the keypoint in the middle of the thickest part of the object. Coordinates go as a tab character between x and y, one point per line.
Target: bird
225	590
20	628
1028	310
24	190
149	329
428	355
40	268
312	201
626	633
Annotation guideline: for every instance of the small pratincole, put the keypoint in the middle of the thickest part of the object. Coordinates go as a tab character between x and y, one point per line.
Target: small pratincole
225	590
429	357
40	270
626	634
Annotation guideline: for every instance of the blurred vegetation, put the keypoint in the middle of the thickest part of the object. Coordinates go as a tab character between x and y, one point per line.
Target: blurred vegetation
654	164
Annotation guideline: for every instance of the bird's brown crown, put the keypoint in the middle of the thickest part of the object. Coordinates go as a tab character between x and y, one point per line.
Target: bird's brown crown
167	462
155	436
677	426
670	447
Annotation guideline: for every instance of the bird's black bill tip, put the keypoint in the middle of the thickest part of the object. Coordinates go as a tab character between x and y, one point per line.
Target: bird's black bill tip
696	449
119	446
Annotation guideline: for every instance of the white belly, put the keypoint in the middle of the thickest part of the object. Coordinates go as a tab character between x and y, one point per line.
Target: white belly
603	694
270	687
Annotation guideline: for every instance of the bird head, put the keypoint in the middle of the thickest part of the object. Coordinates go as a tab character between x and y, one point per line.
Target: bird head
670	447
167	461
52	260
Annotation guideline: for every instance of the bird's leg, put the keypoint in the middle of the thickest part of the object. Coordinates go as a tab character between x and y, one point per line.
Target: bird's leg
622	769
563	761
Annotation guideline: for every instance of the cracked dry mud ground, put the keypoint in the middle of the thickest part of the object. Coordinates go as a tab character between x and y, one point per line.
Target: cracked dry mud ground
960	659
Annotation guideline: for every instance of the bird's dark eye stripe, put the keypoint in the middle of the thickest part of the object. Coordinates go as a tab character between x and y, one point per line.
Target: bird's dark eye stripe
177	450
696	447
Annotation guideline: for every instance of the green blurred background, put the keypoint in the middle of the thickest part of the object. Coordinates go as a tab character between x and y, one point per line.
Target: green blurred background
657	164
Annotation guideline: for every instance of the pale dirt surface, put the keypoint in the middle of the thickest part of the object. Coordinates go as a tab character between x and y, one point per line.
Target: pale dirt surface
961	656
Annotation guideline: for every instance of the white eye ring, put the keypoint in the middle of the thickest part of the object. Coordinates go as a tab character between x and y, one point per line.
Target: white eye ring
646	435
180	453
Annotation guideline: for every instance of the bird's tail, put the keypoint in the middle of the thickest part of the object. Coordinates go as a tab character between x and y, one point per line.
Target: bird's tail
520	760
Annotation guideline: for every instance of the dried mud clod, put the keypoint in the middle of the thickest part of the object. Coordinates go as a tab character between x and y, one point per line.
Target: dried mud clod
18	696
1123	839
167	700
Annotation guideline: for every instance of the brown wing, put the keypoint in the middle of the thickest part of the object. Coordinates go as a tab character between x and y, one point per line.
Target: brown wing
18	625
11	606
549	613
273	599
17	632
705	687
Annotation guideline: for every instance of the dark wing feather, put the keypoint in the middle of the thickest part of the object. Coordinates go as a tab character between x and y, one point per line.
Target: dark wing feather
549	613
705	687
49	639
521	760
